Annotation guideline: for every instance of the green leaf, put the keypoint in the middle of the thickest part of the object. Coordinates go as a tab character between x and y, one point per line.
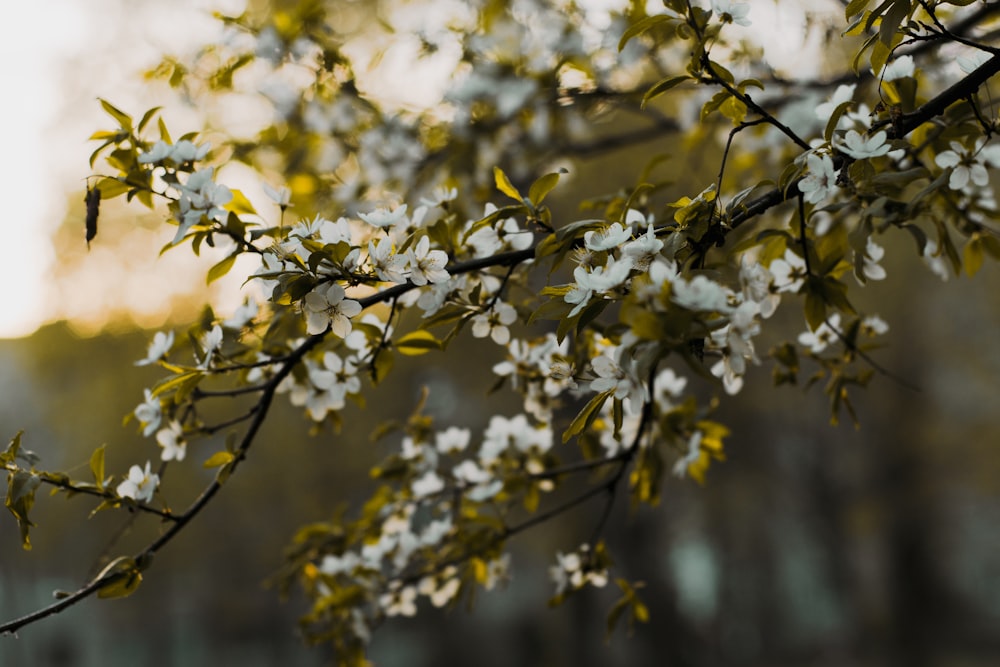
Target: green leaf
855	7
240	205
221	269
815	310
504	185
123	118
417	342
97	466
642	25
543	186
21	487
124	578
662	86
146	117
218	459
586	416
972	256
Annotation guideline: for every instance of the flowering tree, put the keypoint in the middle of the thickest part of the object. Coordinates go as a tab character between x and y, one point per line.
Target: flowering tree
622	330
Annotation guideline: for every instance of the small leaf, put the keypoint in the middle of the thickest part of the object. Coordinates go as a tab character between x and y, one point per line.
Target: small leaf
219	459
124	578
417	342
582	420
123	118
973	256
97	466
662	86
543	186
221	269
504	185
240	205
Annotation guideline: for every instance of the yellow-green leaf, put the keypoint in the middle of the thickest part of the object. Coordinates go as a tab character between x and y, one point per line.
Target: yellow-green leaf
221	269
240	205
97	466
543	186
973	256
123	118
219	459
417	342
504	185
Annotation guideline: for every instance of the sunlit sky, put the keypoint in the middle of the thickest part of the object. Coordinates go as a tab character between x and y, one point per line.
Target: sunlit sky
58	57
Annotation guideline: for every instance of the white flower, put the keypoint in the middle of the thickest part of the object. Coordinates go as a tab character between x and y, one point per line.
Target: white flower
426	265
332	383
452	440
612	376
441	195
427	485
186	151
603	278
973	62
700	293
211	342
844	93
817	340
331	565
873	325
140	484
789	272
171	439
870	267
441	589
731	12
858	147
387	265
158	349
281	196
400	603
900	68
149	413
668	385
934	259
383	217
968	166
494	323
326	306
821	181
757	281
159	152
643	250
606	239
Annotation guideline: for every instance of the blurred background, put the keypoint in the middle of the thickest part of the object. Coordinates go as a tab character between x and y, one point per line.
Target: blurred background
811	545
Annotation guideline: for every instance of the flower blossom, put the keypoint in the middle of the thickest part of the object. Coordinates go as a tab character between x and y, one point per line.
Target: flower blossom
871	268
968	165
732	12
821	181
606	239
494	323
860	148
158	349
139	485
825	334
172	440
387	265
700	293
149	413
326	306
426	265
211	342
383	217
